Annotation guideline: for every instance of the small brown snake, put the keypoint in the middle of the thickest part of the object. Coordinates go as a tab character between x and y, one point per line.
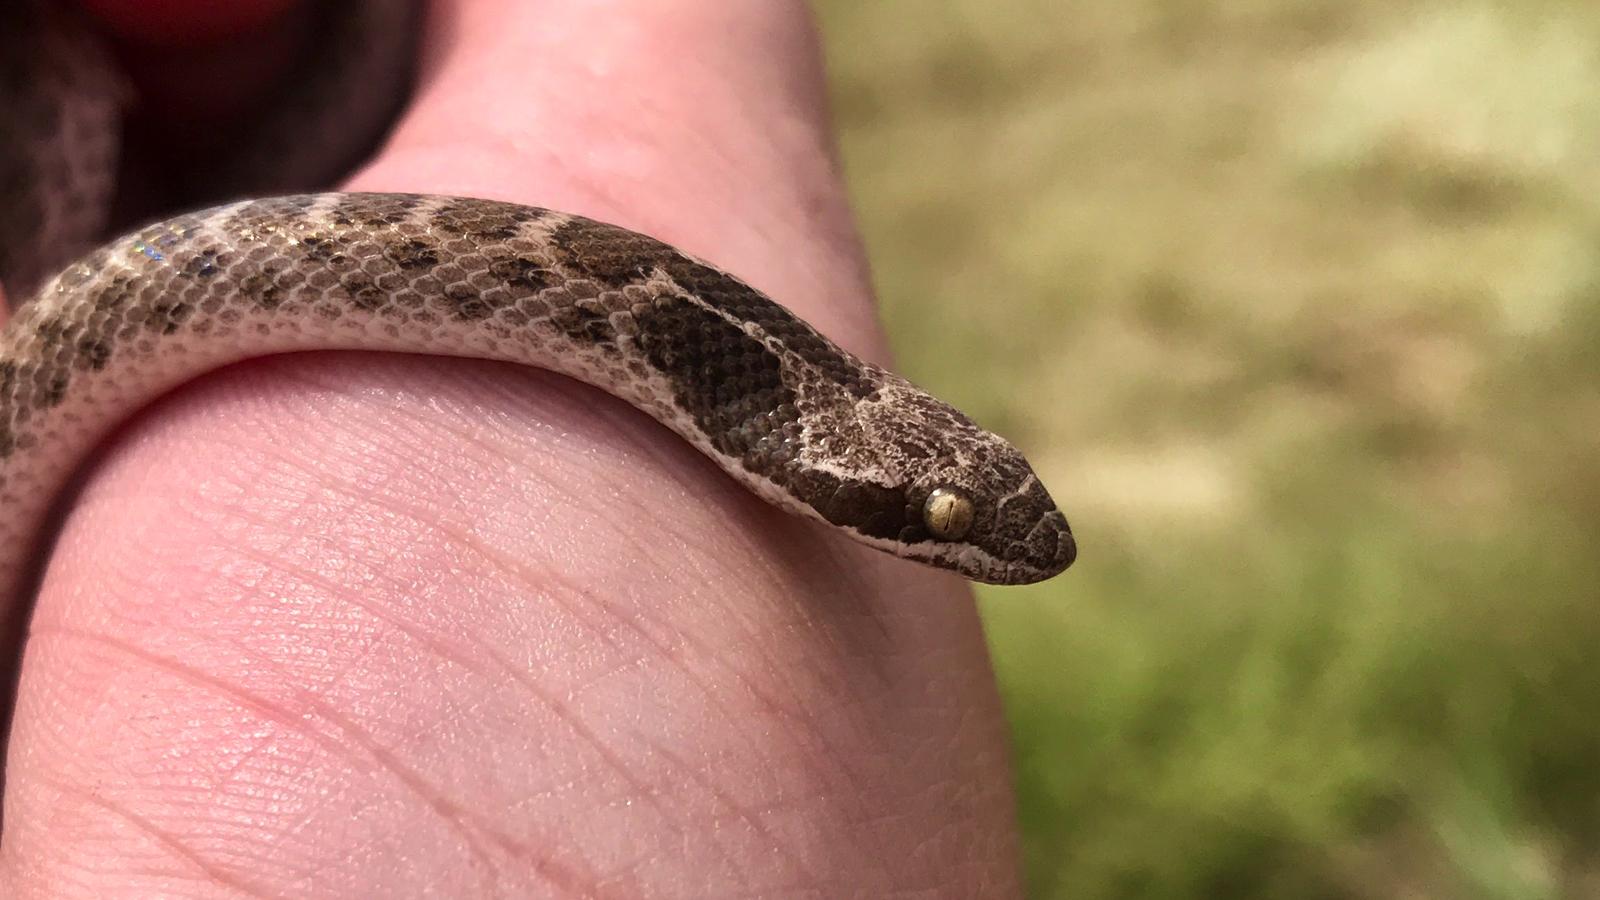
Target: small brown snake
791	416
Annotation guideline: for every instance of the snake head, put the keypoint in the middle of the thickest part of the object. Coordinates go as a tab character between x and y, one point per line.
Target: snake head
986	515
826	434
919	479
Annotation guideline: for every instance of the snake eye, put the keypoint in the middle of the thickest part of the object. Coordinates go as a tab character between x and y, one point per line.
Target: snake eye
947	513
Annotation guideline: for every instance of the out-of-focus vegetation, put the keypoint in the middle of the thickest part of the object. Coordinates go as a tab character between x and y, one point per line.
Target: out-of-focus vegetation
1296	305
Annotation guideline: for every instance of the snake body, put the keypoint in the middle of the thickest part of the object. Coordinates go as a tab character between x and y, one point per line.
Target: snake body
791	416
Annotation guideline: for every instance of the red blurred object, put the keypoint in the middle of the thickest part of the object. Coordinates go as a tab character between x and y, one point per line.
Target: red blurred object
183	23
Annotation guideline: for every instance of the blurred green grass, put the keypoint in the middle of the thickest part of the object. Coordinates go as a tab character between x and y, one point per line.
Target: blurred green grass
1296	306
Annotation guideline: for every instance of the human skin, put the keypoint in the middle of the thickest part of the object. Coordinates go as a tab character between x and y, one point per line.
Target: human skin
347	624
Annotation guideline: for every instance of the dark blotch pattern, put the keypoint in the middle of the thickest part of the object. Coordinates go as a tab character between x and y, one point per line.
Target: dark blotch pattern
485	222
466	303
362	290
616	257
413	254
517	271
872	509
728	381
584	324
205	264
612	256
93	353
729	294
394	211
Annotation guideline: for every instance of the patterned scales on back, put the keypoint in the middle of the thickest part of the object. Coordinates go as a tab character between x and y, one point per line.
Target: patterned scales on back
796	419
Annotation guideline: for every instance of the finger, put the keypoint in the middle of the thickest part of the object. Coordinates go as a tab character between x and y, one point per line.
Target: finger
538	103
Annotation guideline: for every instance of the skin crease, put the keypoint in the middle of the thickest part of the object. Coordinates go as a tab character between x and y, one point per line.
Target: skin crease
371	625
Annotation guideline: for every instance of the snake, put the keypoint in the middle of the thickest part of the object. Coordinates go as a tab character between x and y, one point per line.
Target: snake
788	414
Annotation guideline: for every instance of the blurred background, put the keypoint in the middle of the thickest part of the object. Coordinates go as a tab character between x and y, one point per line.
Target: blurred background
1296	306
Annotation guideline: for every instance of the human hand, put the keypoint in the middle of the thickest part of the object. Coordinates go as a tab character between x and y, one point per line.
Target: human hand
370	625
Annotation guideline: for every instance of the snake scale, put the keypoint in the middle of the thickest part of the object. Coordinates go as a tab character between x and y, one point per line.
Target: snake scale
795	419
